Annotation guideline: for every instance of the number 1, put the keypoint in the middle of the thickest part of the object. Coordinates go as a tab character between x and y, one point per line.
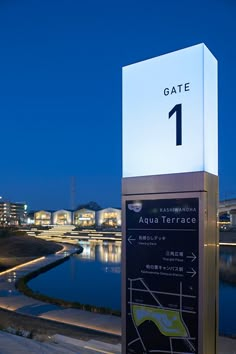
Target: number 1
178	110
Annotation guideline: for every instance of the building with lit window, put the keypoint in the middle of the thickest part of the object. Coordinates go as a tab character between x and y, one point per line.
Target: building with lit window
109	218
42	218
84	217
12	214
62	217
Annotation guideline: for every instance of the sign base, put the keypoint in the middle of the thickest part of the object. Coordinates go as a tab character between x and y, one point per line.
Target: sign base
170	264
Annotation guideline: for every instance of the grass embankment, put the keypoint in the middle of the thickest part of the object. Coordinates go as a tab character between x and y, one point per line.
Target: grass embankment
16	247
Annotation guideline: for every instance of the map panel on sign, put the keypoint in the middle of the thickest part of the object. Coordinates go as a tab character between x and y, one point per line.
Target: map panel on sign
162	276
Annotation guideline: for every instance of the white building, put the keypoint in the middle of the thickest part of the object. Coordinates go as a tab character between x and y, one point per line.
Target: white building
84	217
42	218
109	217
62	217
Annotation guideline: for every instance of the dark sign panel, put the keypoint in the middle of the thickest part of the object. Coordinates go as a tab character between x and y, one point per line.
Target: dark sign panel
162	276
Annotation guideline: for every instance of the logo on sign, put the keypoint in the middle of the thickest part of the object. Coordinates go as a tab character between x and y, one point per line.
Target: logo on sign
136	207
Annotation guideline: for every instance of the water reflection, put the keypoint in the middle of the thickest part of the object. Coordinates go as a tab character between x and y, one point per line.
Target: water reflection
104	252
228	255
92	277
227	291
228	264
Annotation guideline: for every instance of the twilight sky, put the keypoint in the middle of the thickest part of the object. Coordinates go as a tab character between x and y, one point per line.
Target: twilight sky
60	89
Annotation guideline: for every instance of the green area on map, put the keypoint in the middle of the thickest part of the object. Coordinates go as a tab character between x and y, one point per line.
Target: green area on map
169	322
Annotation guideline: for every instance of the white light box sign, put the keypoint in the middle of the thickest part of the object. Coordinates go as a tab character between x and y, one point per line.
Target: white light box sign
170	114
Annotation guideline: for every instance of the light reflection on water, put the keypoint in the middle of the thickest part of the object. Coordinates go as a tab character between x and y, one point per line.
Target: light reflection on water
227	257
104	252
227	291
94	277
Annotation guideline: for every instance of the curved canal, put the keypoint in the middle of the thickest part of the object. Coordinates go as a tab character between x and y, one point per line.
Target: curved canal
94	277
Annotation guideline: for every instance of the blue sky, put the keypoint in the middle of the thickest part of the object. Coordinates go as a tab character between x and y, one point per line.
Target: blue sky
60	89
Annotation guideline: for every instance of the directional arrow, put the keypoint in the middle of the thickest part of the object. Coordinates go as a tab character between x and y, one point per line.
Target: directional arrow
130	239
193	257
193	273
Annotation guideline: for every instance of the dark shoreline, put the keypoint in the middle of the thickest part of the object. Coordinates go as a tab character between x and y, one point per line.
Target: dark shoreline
22	286
40	326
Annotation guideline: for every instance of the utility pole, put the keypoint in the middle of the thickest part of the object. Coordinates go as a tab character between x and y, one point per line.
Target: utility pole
73	192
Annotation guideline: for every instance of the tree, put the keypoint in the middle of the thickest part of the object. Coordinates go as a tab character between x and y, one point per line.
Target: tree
90	205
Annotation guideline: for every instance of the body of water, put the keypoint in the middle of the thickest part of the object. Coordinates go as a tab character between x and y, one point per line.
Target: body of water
94	277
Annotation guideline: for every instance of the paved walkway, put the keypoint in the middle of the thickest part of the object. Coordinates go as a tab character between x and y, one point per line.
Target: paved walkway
12	299
58	344
12	344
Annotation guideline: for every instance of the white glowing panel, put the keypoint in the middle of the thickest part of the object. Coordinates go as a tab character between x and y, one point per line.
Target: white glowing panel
170	113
